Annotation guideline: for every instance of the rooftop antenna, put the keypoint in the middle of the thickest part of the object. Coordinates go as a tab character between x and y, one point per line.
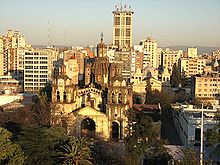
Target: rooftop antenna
49	34
65	44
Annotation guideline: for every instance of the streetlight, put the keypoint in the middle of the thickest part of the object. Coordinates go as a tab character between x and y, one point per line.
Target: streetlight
201	146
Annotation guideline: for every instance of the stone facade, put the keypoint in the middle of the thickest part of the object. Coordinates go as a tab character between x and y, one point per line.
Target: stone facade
99	107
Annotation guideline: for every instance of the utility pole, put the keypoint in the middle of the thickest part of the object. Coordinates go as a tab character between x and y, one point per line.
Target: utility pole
201	146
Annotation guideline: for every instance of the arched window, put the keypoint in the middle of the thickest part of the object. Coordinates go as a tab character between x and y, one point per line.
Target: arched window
88	128
64	96
113	97
58	96
115	131
119	98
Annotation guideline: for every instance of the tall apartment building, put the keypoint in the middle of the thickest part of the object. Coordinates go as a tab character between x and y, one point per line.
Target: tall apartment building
169	57
15	66
207	87
15	59
53	54
36	70
11	41
150	58
122	26
191	66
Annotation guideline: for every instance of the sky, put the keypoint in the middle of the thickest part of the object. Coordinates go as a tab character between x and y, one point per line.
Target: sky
80	22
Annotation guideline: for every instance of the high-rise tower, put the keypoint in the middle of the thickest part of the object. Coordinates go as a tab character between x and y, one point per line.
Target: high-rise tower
122	26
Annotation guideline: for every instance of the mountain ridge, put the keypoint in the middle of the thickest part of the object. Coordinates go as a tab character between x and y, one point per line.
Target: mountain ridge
201	49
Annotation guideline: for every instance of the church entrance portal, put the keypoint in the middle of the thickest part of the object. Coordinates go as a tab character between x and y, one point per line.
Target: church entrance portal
88	128
115	131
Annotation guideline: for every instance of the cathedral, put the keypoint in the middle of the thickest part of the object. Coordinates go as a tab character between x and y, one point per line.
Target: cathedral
98	107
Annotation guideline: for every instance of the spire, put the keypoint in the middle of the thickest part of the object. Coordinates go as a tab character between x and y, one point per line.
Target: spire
102	35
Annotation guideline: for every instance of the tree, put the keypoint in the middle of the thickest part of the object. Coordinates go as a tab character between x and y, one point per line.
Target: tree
48	91
175	78
148	90
31	114
190	157
183	79
137	98
156	97
10	153
41	112
213	135
108	153
75	151
141	139
40	143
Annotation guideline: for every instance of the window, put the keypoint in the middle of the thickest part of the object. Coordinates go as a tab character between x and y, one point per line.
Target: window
28	62
117	20
117	32
64	96
28	67
197	133
119	98
58	96
117	42
128	42
43	67
128	32
43	62
128	20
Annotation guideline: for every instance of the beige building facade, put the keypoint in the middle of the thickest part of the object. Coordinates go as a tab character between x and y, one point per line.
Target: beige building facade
192	52
151	56
170	57
12	41
97	109
190	66
139	82
207	87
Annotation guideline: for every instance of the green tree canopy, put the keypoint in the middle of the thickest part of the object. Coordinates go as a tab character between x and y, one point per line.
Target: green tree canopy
175	78
156	97
39	143
76	151
141	139
10	153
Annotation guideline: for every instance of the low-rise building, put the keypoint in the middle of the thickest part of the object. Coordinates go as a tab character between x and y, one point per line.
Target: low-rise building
9	85
139	82
187	121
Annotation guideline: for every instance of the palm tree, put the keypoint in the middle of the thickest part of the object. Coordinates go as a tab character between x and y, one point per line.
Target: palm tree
76	152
